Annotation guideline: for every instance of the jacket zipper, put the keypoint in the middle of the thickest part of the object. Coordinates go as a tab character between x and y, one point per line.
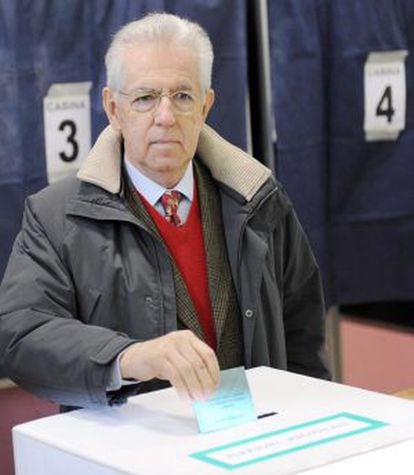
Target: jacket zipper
242	230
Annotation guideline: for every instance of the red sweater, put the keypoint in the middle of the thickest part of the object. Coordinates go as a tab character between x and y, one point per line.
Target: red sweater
186	245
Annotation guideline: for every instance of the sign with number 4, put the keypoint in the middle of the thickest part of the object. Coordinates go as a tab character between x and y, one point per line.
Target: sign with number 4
385	95
67	125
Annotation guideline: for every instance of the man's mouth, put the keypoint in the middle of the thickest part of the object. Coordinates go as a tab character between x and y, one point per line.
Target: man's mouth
164	141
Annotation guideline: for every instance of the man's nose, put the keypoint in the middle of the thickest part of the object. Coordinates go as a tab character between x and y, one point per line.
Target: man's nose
164	112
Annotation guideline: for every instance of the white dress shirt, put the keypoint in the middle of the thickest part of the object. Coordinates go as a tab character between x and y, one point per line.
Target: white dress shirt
152	191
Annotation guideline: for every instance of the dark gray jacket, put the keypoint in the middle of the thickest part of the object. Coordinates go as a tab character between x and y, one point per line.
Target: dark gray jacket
85	279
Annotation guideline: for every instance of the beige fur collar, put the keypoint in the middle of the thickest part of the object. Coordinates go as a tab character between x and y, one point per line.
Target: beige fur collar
227	163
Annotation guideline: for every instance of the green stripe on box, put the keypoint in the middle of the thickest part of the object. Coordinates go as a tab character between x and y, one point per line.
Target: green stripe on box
206	455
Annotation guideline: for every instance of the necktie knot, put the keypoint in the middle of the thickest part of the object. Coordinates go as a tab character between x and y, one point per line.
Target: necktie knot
170	201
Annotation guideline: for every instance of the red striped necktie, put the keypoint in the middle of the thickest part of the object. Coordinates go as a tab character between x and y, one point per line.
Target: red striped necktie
170	201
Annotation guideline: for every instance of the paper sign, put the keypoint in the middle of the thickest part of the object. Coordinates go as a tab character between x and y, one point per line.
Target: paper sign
67	125
230	405
385	95
288	441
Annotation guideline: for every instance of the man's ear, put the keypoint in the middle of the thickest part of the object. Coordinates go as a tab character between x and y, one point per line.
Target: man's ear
111	108
208	103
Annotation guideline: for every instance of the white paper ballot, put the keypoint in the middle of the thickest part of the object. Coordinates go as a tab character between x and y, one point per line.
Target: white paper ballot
230	405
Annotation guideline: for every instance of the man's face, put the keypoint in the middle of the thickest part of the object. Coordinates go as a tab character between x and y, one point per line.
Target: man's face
160	142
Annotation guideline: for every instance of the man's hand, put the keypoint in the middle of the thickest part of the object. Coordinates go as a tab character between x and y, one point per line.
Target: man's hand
180	357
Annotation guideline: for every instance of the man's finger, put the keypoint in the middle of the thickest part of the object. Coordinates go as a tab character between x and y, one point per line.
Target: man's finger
209	362
200	371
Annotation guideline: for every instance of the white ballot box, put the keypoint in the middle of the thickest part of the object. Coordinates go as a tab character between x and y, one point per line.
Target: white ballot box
319	426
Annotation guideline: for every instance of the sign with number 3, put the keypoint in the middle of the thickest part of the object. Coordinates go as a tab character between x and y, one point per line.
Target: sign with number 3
385	95
67	125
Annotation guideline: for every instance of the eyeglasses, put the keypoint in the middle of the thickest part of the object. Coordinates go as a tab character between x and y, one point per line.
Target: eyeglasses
148	100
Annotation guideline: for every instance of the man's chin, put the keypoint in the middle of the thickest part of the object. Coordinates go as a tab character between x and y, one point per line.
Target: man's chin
167	174
167	147
168	160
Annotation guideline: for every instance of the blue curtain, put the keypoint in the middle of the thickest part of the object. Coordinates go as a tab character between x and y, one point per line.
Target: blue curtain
298	69
371	190
355	199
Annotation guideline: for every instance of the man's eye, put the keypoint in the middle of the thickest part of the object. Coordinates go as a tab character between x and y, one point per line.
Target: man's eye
183	97
145	99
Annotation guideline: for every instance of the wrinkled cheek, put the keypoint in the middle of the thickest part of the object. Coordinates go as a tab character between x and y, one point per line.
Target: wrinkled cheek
193	141
133	150
135	145
191	146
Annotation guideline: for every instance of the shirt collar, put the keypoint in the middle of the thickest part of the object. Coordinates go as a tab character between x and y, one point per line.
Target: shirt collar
152	191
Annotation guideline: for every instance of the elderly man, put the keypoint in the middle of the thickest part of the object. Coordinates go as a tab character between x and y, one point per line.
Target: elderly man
172	255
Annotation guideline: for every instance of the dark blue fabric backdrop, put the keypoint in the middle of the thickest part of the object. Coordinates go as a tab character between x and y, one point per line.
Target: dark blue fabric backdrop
47	41
355	199
371	184
298	67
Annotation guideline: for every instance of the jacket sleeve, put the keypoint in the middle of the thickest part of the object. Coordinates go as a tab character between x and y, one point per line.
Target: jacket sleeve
44	347
304	310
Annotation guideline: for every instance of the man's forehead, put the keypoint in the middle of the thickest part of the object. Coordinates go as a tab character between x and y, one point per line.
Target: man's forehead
140	84
154	52
150	66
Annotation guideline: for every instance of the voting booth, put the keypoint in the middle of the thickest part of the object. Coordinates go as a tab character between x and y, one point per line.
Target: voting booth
303	424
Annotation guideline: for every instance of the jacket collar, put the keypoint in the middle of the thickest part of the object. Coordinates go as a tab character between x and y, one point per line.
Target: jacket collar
227	163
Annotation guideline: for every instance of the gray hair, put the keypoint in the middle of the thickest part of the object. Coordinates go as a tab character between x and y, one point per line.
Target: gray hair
166	28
